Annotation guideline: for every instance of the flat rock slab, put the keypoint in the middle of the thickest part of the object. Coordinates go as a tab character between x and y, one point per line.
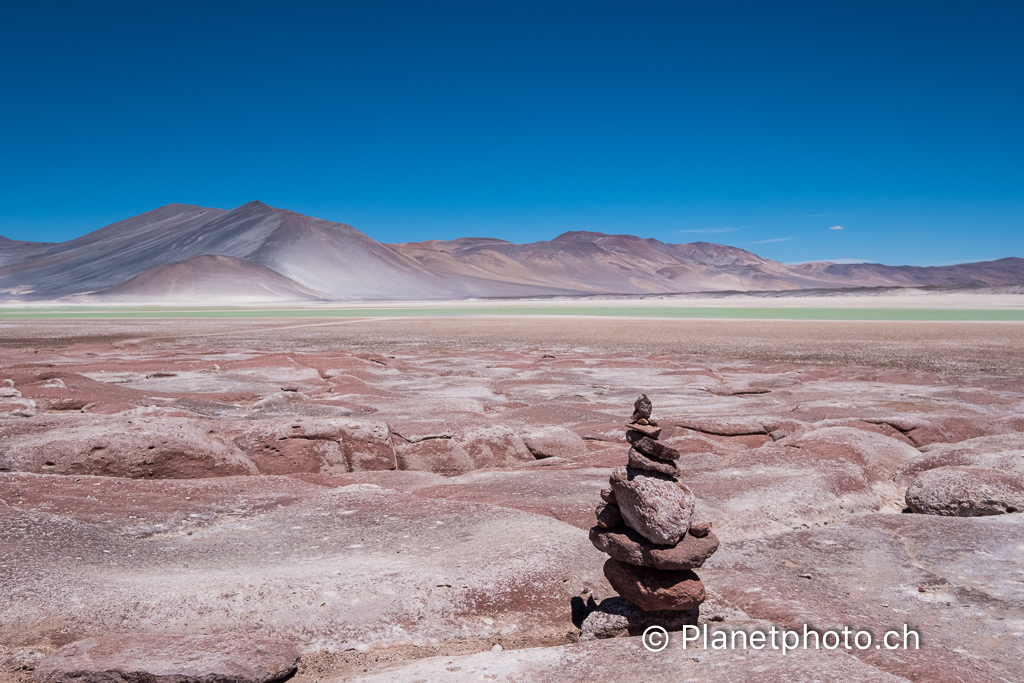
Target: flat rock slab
625	545
654	589
625	659
149	507
955	580
350	567
879	456
142	658
650	447
639	461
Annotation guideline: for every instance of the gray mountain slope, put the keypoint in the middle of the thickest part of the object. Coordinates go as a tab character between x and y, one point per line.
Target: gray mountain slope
210	279
330	257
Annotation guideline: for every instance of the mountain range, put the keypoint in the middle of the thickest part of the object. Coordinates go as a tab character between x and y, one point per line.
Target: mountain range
256	253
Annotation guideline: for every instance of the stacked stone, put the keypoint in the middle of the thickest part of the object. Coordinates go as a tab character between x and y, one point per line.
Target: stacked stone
645	525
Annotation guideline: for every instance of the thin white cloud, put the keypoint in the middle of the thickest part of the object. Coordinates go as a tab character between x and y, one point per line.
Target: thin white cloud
830	260
706	231
777	239
836	227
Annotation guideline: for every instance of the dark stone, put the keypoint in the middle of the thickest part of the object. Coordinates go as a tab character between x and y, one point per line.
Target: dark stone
650	447
638	460
641	408
616	617
700	529
608	515
637	431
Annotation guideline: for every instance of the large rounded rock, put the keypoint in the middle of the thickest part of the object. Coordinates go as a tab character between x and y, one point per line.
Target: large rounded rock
655	505
1001	452
625	545
553	442
965	492
653	590
879	456
131	658
130	447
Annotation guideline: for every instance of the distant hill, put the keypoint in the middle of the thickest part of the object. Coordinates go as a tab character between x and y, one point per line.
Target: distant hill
152	256
210	279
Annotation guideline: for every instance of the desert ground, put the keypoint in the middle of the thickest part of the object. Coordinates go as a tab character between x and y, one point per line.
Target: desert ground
409	498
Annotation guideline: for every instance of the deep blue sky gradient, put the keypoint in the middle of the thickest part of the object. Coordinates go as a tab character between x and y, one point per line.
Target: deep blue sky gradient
755	124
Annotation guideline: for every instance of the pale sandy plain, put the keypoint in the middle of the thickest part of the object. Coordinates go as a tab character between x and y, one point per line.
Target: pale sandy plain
401	495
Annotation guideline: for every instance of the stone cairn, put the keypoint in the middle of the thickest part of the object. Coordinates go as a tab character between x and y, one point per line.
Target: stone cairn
645	525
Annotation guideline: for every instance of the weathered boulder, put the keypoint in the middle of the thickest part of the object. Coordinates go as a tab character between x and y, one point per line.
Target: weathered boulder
965	492
145	658
1001	452
641	409
625	545
331	445
463	450
553	442
132	447
653	504
653	590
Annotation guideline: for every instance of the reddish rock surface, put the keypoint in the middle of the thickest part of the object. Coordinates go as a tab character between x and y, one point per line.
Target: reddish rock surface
966	492
142	446
1002	452
359	577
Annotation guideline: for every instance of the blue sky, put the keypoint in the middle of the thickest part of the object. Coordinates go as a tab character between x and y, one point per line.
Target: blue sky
757	124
